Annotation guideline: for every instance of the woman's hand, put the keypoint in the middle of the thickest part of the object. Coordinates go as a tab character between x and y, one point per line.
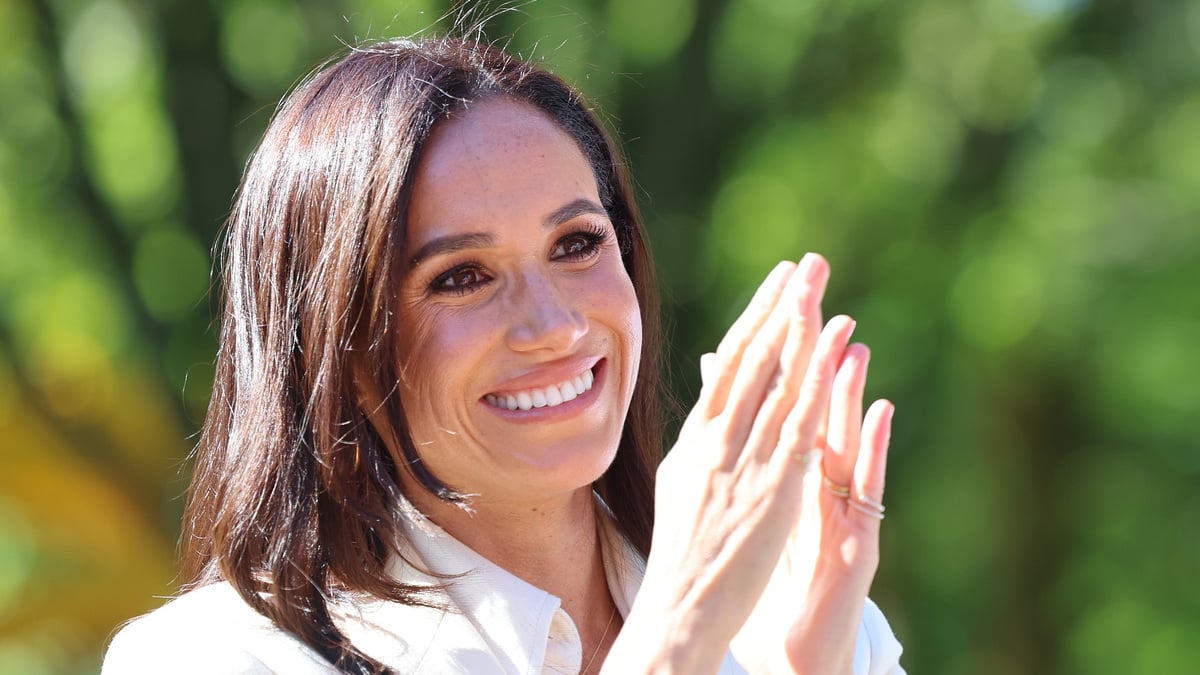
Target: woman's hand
730	492
808	619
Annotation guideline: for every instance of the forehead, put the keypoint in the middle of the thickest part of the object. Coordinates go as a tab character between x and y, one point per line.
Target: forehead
500	124
496	161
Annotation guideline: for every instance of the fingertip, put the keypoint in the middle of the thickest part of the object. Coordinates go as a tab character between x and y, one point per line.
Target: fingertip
852	370
889	410
814	264
816	274
842	324
881	413
782	271
706	366
871	469
832	341
857	351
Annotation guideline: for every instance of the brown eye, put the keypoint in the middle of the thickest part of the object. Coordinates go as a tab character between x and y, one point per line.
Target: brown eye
577	246
459	280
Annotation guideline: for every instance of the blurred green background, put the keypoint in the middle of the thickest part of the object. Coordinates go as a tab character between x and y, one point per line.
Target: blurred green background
1008	192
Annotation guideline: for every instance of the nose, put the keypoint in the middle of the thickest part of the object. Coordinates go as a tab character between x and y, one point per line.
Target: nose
544	317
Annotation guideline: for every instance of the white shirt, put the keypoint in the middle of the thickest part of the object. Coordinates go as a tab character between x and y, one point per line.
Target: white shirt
497	623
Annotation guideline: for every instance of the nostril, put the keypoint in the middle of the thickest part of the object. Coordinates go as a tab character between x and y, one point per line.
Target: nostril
549	325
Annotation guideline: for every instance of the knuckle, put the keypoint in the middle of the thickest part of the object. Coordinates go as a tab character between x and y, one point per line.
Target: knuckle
726	432
722	428
802	324
759	357
820	376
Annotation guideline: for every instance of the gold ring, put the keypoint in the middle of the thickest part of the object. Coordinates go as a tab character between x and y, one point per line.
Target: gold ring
842	491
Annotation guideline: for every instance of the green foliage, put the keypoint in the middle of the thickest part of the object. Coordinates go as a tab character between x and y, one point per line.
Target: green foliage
1008	192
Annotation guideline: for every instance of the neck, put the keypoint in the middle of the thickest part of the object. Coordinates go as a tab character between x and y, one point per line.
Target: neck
551	543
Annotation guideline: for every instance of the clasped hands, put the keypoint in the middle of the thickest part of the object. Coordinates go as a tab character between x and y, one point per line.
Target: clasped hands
768	507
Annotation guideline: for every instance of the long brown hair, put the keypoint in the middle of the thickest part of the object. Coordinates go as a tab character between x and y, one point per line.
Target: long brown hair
295	483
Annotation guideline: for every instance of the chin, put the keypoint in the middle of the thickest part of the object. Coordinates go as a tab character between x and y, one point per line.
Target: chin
565	469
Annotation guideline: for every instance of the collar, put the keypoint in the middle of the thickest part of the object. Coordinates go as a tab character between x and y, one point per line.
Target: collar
524	627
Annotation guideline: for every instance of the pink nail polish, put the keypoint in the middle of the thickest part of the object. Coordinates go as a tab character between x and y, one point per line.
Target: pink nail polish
813	266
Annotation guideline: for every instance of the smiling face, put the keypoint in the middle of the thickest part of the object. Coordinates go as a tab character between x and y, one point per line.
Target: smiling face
521	333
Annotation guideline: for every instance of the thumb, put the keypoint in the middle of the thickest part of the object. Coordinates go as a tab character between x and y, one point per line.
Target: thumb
707	363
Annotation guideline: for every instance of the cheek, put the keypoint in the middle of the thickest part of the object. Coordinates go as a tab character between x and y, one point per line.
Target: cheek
632	317
436	342
620	310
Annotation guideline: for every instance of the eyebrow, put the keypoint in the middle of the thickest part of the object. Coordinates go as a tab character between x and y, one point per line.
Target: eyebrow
461	242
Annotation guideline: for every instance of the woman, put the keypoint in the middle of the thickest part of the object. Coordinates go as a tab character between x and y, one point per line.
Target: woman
433	436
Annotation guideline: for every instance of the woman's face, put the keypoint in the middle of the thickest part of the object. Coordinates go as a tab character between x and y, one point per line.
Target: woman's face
520	328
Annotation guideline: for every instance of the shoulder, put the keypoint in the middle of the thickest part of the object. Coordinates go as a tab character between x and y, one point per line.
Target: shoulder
877	651
207	630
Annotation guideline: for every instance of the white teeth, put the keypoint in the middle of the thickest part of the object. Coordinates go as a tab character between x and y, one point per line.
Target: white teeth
545	397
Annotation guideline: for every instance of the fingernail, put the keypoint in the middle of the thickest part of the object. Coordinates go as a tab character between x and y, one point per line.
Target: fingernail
804	266
887	423
850	324
863	352
706	364
781	272
814	266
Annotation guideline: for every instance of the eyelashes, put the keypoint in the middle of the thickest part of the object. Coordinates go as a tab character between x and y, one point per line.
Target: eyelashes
580	245
459	280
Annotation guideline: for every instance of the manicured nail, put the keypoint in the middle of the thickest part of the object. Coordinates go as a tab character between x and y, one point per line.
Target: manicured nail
887	421
850	324
781	272
706	366
813	265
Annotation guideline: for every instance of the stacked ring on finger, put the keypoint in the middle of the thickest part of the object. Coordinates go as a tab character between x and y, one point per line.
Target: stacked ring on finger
842	491
866	506
861	503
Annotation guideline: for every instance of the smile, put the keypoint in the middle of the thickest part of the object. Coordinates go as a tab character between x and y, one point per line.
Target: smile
544	397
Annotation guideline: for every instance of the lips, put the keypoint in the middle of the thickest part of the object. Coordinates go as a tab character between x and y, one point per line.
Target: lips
543	397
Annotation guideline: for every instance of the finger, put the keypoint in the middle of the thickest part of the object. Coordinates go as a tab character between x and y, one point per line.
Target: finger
806	417
707	368
844	427
871	468
729	353
772	370
803	329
